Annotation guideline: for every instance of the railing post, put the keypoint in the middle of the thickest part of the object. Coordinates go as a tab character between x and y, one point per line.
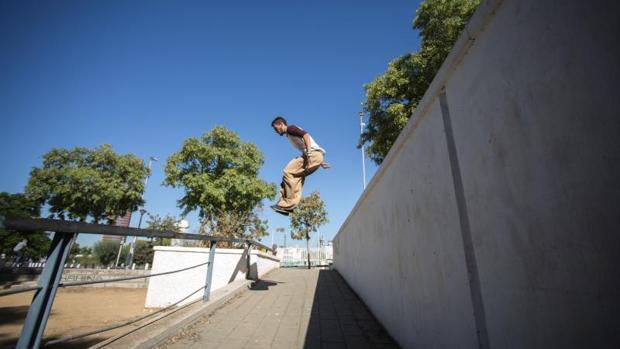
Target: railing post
39	311
207	293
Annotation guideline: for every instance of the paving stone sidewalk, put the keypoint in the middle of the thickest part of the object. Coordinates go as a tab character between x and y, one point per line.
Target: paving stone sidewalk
289	308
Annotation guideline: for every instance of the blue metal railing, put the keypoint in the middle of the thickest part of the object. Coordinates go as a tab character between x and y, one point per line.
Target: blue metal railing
65	233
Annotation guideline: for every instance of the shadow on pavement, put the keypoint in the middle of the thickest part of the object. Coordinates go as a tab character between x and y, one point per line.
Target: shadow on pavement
12	315
339	319
7	342
263	285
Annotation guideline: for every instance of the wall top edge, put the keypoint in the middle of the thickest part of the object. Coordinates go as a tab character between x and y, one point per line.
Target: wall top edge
478	21
205	250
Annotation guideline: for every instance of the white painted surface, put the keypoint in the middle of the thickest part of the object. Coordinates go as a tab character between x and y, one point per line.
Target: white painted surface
533	95
229	265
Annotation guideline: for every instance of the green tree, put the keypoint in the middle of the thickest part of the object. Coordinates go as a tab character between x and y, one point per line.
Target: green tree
307	217
105	251
240	225
75	250
86	257
143	252
86	251
219	173
257	228
393	96
167	223
20	206
79	183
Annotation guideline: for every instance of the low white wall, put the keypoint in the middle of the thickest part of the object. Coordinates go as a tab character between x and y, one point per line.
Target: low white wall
229	265
493	221
78	275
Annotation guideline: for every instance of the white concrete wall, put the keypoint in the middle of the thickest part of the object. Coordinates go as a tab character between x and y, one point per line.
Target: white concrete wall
229	265
499	212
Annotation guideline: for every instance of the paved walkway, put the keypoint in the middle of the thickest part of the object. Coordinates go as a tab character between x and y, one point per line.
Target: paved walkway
289	308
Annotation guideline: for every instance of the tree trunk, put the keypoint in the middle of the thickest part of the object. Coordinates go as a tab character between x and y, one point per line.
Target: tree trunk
308	248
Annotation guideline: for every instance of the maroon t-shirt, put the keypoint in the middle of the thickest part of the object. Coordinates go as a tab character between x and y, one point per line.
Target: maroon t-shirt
295	131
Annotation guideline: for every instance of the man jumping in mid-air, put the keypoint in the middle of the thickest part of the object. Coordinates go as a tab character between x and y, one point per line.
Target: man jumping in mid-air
297	169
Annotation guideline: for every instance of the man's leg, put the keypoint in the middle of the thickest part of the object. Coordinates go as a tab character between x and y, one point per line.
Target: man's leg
314	162
294	177
291	184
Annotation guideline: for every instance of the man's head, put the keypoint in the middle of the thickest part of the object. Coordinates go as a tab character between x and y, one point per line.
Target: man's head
279	125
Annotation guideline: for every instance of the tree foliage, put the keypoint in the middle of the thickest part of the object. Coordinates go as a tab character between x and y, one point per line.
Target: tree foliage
393	96
79	183
143	252
82	255
240	225
257	228
106	250
166	223
20	206
308	216
219	173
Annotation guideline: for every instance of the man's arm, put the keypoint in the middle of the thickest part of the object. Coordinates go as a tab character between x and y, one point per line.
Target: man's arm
306	138
298	132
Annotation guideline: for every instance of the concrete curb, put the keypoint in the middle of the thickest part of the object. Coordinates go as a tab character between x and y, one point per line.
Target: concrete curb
152	333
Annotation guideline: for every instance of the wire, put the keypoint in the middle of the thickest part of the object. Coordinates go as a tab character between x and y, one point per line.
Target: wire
19	290
122	324
79	283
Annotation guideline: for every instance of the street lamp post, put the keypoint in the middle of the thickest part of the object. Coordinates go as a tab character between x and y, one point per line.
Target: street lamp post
146	180
120	249
362	124
129	259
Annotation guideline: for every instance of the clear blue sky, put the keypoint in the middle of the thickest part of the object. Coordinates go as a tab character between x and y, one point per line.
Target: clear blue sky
145	75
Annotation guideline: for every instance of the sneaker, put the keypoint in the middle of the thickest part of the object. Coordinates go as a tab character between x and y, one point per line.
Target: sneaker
280	210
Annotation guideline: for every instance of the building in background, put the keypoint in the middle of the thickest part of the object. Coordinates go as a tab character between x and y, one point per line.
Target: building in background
298	256
119	222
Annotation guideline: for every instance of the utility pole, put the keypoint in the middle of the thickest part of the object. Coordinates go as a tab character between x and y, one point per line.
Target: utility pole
362	124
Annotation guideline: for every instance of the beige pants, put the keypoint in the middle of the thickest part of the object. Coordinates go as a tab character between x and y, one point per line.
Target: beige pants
293	180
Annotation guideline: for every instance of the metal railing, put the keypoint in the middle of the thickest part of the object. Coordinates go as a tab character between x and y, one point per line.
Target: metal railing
65	233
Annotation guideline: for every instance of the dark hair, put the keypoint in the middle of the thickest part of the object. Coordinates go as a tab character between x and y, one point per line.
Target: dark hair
278	119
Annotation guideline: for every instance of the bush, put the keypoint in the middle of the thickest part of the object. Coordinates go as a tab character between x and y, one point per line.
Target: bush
106	250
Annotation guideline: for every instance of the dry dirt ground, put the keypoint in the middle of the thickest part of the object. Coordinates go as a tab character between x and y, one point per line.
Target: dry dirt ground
75	310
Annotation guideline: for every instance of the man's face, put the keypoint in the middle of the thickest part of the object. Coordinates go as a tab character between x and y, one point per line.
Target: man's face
280	128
